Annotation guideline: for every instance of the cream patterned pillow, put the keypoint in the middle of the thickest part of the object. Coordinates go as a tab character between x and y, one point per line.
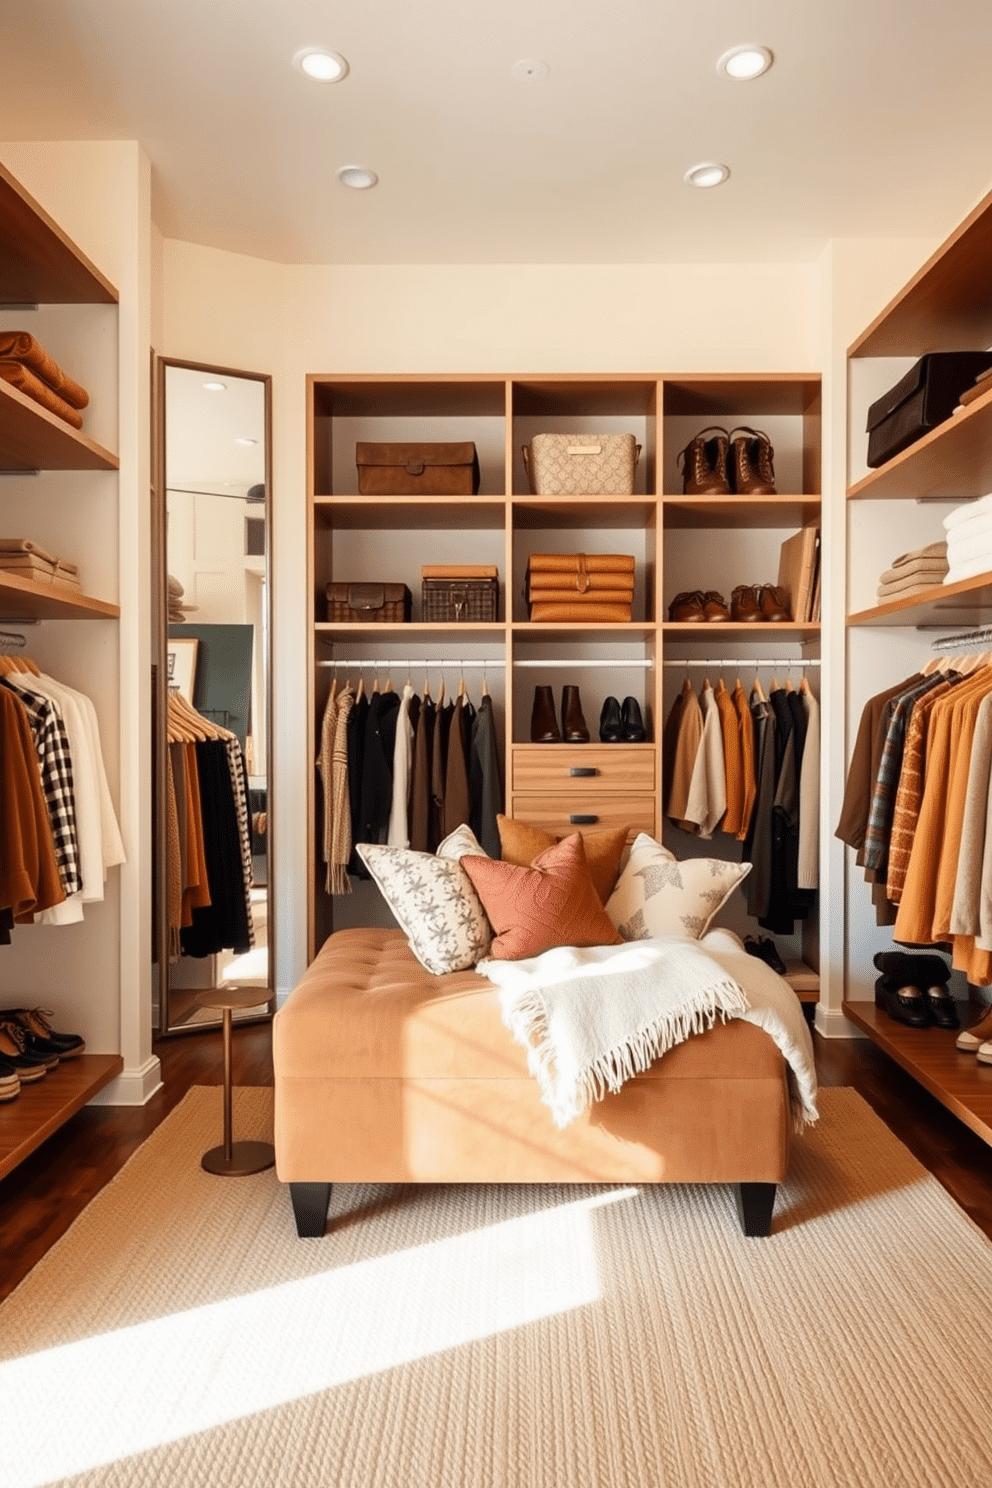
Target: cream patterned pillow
657	895
433	901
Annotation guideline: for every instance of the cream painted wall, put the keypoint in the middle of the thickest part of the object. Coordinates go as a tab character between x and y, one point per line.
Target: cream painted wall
96	975
289	321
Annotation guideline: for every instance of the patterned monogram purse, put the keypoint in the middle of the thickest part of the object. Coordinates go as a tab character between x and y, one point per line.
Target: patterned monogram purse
581	464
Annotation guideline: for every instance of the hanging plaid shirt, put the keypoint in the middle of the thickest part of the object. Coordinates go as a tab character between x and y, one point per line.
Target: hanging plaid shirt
884	795
55	760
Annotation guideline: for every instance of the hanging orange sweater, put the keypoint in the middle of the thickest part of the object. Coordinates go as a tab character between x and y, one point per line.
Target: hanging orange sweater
29	873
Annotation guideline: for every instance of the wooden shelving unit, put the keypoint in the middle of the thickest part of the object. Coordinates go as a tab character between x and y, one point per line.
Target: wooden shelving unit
506	521
947	306
45	1105
39	264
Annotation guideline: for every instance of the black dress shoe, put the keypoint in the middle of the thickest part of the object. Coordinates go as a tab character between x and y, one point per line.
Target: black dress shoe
610	722
941	1007
634	731
543	719
765	950
904	1004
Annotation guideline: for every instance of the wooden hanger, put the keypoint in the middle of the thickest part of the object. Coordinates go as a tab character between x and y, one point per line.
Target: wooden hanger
18	663
361	690
757	688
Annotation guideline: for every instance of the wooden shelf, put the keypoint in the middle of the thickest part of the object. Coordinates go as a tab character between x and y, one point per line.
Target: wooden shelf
532	513
45	1105
444	395
409	513
944	307
803	980
764	393
38	263
786	630
957	1080
25	599
753	512
953	461
969	602
31	438
552	630
420	632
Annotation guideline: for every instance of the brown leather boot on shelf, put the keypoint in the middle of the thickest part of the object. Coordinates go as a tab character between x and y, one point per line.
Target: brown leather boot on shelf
573	725
543	719
688	607
704	464
774	604
745	606
752	472
714	606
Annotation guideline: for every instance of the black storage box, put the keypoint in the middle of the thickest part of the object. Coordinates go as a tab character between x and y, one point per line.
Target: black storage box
924	398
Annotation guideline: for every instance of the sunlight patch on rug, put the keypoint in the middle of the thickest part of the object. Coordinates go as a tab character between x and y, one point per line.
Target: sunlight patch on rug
124	1392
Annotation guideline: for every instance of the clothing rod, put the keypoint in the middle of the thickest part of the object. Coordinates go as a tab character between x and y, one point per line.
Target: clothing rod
980	637
746	661
11	639
618	663
435	662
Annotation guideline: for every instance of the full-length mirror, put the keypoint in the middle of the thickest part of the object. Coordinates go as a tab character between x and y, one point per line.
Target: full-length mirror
212	736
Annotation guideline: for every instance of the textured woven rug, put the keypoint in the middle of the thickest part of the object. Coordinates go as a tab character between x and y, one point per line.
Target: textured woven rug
181	1334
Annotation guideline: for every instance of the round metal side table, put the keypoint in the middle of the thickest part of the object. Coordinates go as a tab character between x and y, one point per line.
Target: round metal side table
235	1159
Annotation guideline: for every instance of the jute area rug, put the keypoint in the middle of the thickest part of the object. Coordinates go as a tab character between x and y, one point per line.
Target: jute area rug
181	1334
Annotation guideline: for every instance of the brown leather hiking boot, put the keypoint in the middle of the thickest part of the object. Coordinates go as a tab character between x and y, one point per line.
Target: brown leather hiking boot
704	464
752	472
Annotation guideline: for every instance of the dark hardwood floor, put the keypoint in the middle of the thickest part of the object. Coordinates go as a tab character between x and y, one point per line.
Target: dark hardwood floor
41	1198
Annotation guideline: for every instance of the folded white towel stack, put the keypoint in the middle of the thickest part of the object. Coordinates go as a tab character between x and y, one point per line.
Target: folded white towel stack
969	540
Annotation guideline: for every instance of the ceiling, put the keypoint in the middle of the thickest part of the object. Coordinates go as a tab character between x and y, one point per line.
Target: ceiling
873	121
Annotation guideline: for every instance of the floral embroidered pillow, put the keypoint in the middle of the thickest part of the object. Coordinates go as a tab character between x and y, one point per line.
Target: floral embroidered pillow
658	895
433	901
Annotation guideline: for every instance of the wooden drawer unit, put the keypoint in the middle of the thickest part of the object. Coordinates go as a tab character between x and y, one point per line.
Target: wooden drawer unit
584	768
565	813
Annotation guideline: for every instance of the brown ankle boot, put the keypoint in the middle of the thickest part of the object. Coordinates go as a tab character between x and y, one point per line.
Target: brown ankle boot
752	472
704	464
543	719
573	725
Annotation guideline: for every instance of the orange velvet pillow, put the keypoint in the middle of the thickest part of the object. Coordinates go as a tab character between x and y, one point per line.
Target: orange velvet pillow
552	903
520	844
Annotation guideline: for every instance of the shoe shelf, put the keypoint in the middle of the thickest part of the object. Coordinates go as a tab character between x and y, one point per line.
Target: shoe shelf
792	630
688	512
31	438
930	1055
45	1105
953	461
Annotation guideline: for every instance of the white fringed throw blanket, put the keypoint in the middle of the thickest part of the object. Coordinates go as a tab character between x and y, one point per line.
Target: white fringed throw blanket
592	1018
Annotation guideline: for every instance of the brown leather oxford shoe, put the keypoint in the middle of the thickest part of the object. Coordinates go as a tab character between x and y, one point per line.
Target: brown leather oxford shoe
774	603
688	607
714	606
745	606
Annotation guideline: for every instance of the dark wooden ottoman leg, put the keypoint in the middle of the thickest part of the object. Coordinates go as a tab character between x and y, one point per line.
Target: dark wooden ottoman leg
310	1201
755	1202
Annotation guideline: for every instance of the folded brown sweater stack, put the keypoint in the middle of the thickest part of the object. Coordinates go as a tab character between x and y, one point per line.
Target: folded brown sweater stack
22	556
580	586
26	365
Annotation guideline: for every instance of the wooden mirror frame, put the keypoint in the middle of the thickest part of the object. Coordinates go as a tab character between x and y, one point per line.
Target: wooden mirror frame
160	632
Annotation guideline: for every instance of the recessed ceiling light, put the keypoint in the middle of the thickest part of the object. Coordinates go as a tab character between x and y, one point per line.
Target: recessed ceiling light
742	63
321	66
358	177
529	70
708	174
215	387
246	441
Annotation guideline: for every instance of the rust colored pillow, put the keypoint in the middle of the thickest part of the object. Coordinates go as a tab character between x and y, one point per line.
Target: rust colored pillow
552	903
521	844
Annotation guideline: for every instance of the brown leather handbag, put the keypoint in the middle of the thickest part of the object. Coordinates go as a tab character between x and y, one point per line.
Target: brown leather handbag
417	469
370	604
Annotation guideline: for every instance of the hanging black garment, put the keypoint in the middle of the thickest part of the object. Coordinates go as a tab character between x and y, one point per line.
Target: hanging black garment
786	901
223	923
357	719
439	766
420	777
377	770
758	843
485	786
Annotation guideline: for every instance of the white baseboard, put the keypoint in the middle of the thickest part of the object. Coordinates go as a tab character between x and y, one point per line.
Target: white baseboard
132	1087
833	1024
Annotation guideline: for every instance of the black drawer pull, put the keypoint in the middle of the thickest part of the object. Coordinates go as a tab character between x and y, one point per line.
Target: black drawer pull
583	770
578	820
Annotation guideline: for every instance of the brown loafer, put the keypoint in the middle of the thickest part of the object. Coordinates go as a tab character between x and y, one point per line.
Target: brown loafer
745	607
688	607
774	604
714	606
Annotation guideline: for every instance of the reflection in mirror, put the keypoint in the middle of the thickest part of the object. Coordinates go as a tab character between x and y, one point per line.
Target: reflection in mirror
213	811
